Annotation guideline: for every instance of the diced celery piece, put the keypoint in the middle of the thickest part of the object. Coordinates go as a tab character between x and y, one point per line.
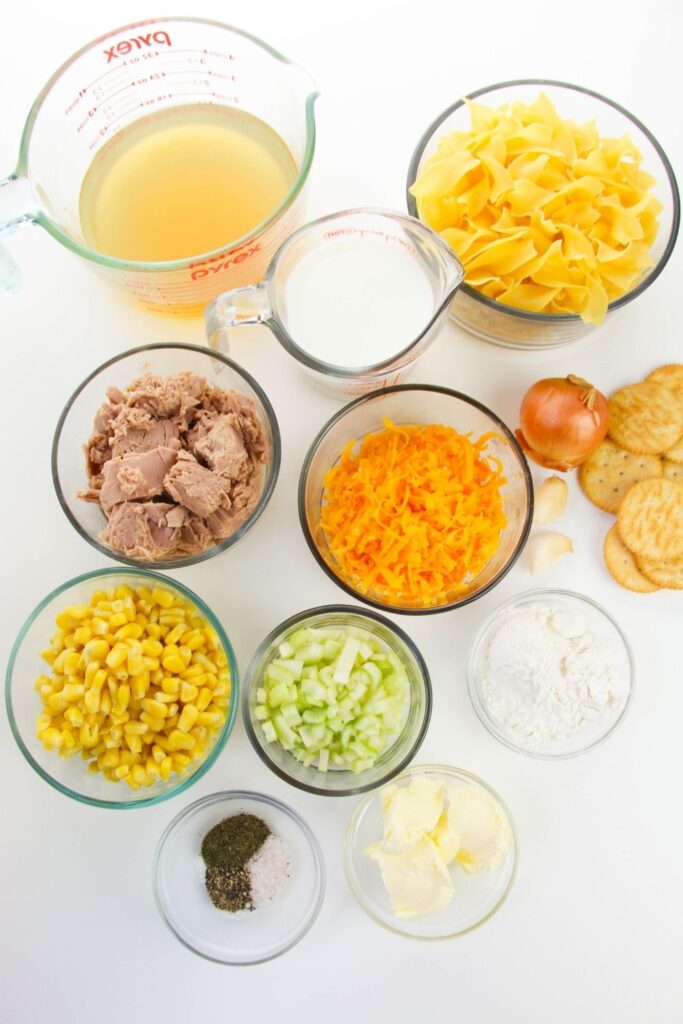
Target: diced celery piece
310	672
291	714
293	665
314	691
345	662
314	716
261	713
326	675
373	671
331	649
346	704
368	724
279	694
269	731
311	654
286	735
365	650
300	638
362	764
358	692
323	759
276	674
261	695
310	737
286	650
308	759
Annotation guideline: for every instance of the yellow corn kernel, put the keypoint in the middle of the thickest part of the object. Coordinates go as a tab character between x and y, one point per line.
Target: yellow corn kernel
163	697
152	769
220	702
134	728
154	708
221	659
188	717
133	742
153	628
92	700
128	631
105	701
139	775
181	761
166	767
74	716
212	640
123	591
78	611
180	741
135	663
170	685
98	680
99	626
48	656
98	749
52	738
158	753
162	597
95	650
110	759
117	656
129	608
188	692
221	689
139	684
151	664
194	672
122	771
151	647
157	676
172	661
99	595
56	702
82	635
73	692
171	723
210	718
204	698
123	696
91	670
152	723
175	634
69	739
89	735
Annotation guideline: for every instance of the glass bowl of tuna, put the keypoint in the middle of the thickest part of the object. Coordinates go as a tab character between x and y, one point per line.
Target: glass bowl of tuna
166	455
121	688
337	700
415	499
238	877
433	855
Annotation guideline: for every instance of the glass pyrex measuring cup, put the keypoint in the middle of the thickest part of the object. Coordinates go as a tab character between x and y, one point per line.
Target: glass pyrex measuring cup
355	297
117	80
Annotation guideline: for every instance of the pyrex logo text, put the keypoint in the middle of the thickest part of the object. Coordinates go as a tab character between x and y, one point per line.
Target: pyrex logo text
128	45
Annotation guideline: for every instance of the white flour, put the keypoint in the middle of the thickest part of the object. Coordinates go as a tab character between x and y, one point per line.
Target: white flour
546	677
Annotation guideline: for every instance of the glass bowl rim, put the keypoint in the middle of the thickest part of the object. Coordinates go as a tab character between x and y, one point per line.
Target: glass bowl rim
242	794
117	263
273	469
183	783
515	311
473	683
363	613
350	837
451	393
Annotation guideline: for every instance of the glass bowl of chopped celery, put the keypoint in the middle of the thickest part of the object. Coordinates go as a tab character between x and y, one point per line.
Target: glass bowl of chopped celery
121	688
336	700
433	855
574	194
415	499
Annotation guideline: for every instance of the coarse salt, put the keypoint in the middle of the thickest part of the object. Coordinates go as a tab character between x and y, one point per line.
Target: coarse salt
269	870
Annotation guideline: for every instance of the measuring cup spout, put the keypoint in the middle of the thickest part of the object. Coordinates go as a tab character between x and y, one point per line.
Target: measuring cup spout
16	207
236	308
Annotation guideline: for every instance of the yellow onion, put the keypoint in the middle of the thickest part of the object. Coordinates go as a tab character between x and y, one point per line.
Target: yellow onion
562	420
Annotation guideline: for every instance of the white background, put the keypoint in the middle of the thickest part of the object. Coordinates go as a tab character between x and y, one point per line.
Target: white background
591	931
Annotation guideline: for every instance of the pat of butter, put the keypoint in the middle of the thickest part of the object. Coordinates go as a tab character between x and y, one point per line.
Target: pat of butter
481	826
417	881
410	813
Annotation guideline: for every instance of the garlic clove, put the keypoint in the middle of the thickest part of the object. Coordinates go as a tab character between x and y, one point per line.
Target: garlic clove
544	549
550	500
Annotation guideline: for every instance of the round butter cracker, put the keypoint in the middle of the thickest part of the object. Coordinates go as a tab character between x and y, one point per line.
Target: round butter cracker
670	376
672	470
609	472
645	418
675	454
650	519
623	567
668	573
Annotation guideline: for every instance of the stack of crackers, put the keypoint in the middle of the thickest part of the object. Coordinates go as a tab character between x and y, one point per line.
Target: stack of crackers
636	473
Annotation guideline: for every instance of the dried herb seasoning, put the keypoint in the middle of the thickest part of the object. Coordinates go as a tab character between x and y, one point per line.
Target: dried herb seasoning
233	841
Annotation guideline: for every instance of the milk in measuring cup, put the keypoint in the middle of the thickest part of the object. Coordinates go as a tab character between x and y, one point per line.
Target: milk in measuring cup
358	302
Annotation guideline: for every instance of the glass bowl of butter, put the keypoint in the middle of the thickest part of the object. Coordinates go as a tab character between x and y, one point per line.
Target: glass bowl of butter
433	855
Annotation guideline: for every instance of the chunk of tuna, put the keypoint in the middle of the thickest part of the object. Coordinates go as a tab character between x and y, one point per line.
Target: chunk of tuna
196	487
135	476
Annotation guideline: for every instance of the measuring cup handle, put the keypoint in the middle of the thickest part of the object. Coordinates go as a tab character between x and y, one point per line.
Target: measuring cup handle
237	308
16	207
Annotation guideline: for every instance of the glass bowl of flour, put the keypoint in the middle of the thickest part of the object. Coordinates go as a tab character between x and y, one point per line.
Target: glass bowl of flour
551	674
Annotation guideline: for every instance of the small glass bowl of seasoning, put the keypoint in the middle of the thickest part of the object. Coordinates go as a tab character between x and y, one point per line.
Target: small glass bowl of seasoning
238	877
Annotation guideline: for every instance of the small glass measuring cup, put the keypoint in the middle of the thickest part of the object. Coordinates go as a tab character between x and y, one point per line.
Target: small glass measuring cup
355	297
124	76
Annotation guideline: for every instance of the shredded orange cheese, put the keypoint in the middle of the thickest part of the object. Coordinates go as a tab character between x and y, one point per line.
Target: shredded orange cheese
416	514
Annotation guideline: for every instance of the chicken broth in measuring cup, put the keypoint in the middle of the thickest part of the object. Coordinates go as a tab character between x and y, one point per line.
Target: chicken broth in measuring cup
182	182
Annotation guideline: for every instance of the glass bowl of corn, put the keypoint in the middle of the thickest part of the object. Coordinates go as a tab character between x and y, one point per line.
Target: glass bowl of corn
121	688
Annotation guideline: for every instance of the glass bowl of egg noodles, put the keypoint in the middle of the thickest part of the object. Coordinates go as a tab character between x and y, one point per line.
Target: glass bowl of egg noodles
356	298
561	205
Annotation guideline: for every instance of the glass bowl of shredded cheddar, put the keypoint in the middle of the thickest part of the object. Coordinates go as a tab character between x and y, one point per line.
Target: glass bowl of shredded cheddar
561	206
121	688
415	499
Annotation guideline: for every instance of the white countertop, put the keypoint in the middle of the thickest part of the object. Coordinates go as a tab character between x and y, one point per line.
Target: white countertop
591	931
